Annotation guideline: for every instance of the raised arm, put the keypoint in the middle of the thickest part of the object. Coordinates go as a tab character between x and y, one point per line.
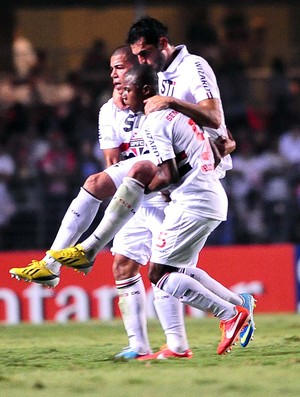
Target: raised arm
205	113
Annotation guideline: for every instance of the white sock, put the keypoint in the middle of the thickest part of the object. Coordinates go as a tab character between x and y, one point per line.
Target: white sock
193	293
77	219
213	285
171	316
132	304
122	207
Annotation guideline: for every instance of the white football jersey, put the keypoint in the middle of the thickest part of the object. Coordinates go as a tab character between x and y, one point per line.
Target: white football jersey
190	78
122	129
170	134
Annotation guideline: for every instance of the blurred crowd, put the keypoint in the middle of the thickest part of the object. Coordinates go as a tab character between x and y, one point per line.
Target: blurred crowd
49	143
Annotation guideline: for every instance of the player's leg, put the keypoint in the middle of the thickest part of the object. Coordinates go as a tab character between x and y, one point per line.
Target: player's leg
132	248
132	305
190	291
122	207
169	310
213	285
76	221
246	300
184	235
135	240
81	214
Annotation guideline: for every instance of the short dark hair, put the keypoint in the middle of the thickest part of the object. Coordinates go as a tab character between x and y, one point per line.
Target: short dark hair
149	28
126	50
144	74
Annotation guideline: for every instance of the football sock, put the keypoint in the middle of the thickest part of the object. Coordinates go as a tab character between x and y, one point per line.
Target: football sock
77	219
132	304
171	316
121	208
193	293
213	285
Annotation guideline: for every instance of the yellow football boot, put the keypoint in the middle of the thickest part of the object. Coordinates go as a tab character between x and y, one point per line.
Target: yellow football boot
74	257
36	272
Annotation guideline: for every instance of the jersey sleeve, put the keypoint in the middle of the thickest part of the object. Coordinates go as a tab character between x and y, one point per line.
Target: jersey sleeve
158	135
203	80
107	134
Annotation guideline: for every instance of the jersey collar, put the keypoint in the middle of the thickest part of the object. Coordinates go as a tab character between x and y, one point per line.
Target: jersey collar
183	52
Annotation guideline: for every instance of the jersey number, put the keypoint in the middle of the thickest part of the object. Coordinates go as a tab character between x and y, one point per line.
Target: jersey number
161	241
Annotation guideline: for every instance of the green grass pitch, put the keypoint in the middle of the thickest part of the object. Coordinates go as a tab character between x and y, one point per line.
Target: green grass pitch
76	359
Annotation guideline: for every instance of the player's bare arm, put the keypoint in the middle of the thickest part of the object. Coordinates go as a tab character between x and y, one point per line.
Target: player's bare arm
205	113
111	156
225	145
167	174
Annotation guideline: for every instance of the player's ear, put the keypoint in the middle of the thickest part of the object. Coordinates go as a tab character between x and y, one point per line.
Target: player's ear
163	42
147	90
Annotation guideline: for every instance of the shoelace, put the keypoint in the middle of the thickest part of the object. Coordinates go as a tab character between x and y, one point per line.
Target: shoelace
67	254
37	263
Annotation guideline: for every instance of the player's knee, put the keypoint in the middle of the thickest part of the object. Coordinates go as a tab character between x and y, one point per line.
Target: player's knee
91	182
100	185
157	271
143	171
124	268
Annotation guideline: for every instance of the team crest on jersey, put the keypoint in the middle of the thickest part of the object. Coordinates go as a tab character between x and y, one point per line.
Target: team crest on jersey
135	147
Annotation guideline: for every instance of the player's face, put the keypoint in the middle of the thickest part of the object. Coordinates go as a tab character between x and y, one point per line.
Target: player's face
133	95
148	53
119	66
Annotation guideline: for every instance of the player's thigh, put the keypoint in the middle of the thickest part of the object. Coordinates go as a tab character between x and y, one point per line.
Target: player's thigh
182	236
134	240
118	171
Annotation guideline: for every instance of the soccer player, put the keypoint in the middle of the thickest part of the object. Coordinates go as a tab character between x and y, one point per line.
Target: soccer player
198	205
161	299
187	83
119	135
132	245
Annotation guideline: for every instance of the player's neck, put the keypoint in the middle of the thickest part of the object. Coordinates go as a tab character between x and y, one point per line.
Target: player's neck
172	53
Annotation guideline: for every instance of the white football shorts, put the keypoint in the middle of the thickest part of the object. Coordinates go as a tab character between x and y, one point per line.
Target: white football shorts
182	236
118	171
134	240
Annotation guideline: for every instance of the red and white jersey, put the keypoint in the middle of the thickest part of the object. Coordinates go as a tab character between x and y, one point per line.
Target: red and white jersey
120	129
170	134
190	78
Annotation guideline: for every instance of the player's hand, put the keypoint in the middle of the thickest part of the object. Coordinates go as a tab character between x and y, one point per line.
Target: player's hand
166	195
118	101
156	102
217	155
225	145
